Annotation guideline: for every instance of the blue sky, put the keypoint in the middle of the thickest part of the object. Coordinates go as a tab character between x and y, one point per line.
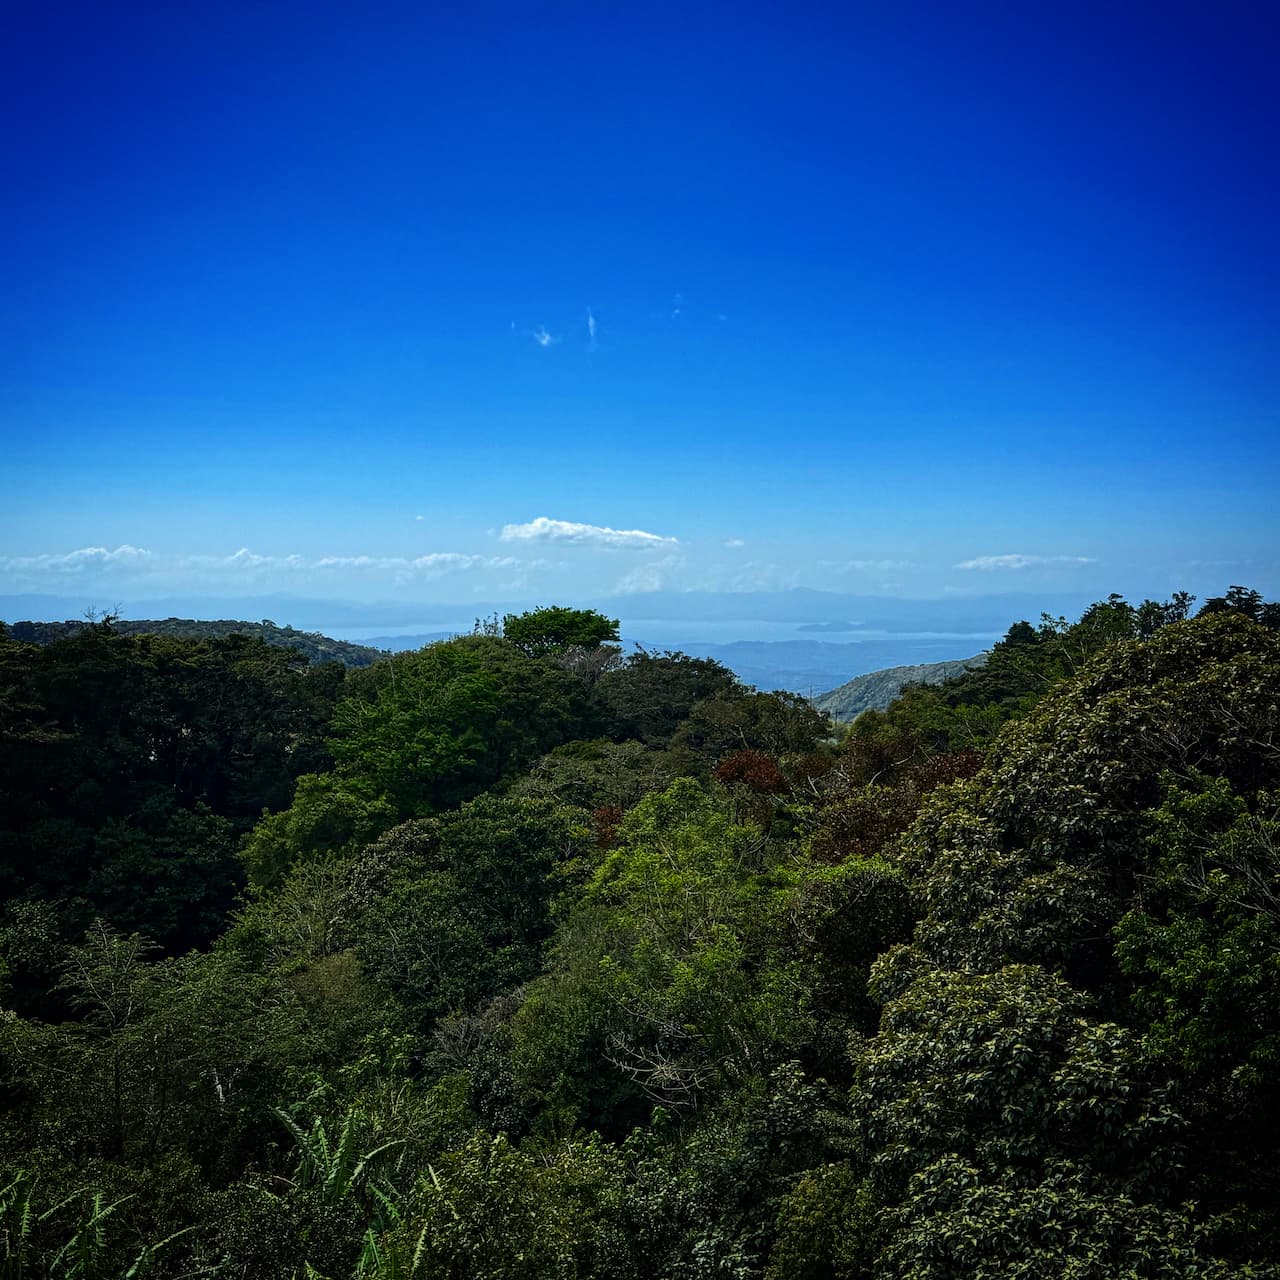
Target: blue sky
546	301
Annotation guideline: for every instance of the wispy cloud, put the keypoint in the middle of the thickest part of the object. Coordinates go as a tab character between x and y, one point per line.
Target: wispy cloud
540	334
124	556
1019	561
652	576
591	330
1224	564
432	565
543	529
734	543
759	575
865	566
742	575
246	563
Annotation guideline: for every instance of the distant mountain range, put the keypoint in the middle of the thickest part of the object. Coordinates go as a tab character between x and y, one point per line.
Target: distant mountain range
813	611
316	647
877	689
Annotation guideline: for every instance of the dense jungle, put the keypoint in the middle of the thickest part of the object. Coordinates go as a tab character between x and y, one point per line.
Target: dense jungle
519	956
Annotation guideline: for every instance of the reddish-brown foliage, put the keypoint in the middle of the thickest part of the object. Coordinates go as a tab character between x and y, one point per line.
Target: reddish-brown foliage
606	819
754	770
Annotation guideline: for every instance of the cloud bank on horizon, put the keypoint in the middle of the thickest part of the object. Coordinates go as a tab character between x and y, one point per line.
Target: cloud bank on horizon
550	559
553	560
583	560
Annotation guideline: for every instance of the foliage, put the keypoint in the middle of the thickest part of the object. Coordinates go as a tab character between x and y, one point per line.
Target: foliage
491	1212
129	763
599	772
313	646
780	724
331	815
1039	857
968	710
652	693
1202	949
542	632
1248	603
448	912
555	964
431	729
659	987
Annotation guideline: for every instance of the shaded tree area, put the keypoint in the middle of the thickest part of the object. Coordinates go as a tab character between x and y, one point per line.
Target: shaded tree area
554	962
311	644
130	765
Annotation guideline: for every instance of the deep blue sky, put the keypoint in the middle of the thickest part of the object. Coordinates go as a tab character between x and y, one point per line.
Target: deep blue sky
877	292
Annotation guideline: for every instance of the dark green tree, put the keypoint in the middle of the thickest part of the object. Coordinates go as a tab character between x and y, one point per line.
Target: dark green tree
652	693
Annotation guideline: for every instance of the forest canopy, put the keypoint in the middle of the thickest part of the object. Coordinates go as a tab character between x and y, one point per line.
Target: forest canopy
517	956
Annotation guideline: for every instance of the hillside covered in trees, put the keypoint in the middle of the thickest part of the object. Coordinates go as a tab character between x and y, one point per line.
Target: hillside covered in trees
516	957
875	690
311	644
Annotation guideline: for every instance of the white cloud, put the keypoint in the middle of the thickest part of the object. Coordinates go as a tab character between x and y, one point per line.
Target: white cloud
1018	561
543	338
734	542
591	329
246	559
588	535
124	556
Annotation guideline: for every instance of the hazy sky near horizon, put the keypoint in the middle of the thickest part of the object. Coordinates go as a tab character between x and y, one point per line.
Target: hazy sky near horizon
547	301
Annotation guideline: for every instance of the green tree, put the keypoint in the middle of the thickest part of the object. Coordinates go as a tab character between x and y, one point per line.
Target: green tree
1007	1118
492	1212
448	912
662	983
1201	947
129	763
331	815
431	729
540	633
780	724
596	773
175	1056
652	693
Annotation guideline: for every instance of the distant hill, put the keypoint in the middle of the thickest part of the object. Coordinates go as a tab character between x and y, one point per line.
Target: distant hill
316	647
397	644
877	689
